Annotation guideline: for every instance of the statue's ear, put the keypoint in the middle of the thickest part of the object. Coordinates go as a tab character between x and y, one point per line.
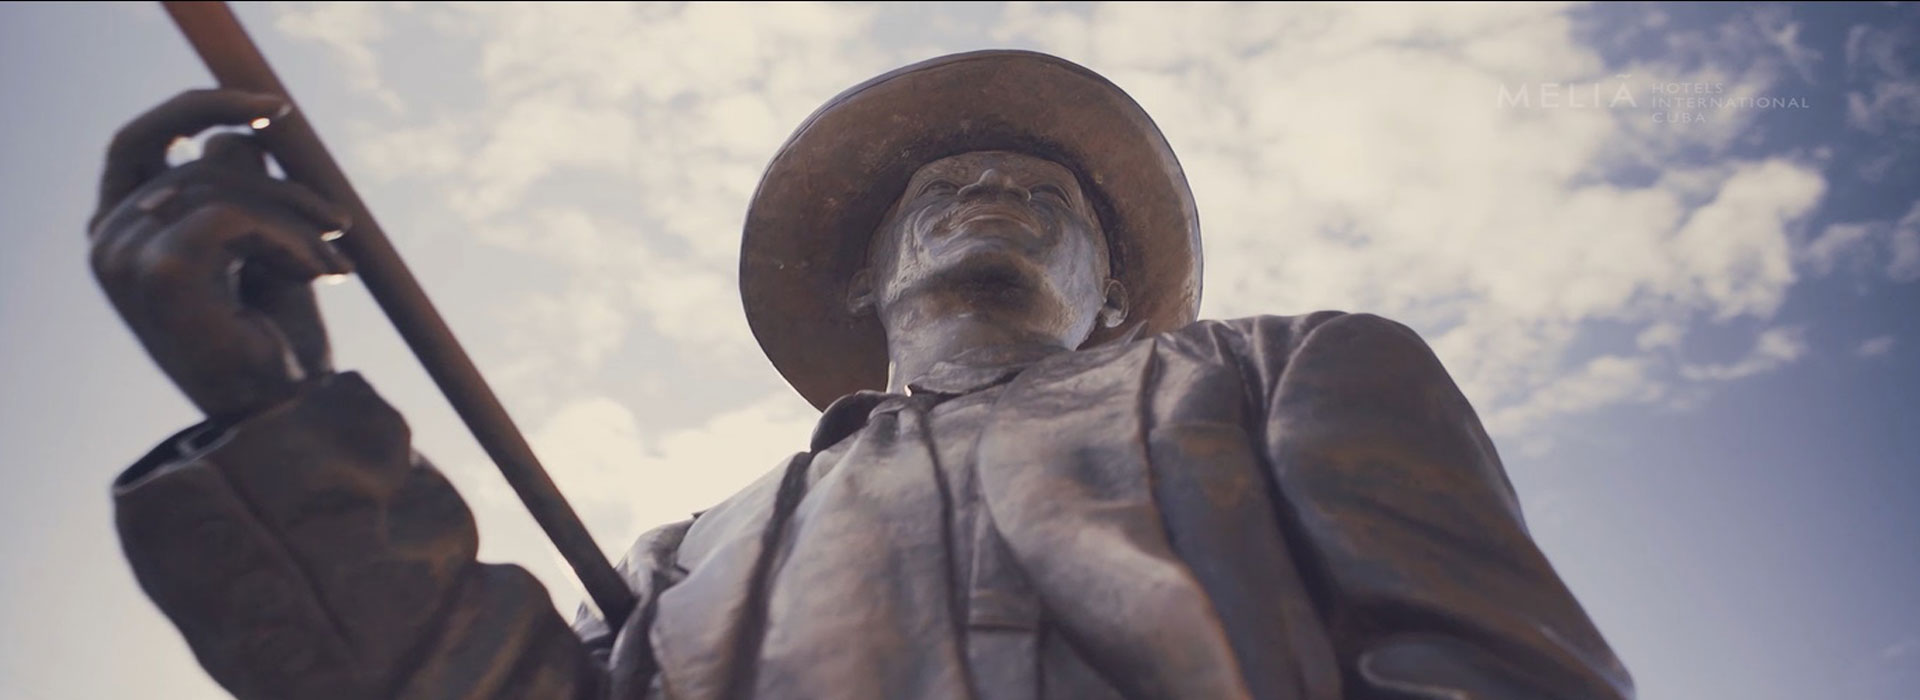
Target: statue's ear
1114	311
860	293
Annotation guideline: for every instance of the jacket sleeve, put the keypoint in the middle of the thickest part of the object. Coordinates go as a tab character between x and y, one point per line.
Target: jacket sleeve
1408	529
650	568
308	553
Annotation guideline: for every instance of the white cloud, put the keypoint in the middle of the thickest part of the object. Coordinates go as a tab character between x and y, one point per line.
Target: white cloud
1660	335
536	136
1891	102
349	29
1893	246
1875	346
667	114
1346	157
1837	242
680	105
433	150
1785	36
1604	380
1879	60
1903	265
624	482
1774	348
1738	244
591	319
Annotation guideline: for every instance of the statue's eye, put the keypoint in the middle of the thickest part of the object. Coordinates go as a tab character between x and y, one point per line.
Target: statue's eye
938	187
1055	193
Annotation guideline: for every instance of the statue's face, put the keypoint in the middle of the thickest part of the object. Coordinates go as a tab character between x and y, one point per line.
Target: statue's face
993	226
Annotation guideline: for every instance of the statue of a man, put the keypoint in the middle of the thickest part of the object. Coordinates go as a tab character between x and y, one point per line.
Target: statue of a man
1035	475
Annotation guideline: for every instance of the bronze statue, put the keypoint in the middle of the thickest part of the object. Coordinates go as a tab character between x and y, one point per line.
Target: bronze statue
1035	474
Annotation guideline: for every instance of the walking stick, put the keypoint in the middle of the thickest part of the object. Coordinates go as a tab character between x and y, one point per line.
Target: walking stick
236	63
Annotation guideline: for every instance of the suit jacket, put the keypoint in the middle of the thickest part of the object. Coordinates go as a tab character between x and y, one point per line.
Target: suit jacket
1275	507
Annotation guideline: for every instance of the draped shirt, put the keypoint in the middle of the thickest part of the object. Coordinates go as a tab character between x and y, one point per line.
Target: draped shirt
900	471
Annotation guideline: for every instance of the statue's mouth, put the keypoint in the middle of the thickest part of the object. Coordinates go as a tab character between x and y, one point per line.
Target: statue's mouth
966	214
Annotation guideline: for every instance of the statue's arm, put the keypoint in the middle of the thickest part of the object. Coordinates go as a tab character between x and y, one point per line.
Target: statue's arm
294	538
307	552
1406	524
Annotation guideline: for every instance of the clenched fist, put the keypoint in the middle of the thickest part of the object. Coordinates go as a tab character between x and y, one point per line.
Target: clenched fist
211	263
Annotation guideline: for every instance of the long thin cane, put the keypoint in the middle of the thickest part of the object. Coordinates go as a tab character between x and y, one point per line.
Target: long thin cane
234	60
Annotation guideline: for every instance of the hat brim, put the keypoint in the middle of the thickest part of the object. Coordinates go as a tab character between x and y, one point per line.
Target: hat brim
827	189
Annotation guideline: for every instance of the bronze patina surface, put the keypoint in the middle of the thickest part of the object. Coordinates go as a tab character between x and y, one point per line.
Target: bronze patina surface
1065	488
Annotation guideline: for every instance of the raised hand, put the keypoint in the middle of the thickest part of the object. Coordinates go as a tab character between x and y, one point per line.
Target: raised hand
211	263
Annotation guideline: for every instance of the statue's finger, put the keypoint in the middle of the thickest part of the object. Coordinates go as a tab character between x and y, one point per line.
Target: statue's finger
139	151
239	153
185	262
230	174
293	308
210	239
300	200
113	257
234	166
282	257
154	210
288	244
309	236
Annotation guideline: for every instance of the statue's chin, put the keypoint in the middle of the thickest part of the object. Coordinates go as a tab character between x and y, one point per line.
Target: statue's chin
978	275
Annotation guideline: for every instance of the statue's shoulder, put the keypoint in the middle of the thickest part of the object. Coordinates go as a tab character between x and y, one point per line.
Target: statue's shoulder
742	515
1272	338
1300	326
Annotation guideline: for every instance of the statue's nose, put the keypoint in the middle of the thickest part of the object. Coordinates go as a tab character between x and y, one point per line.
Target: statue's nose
992	180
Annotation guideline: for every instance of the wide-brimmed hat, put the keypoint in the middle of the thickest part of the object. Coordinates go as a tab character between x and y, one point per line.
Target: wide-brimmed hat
828	188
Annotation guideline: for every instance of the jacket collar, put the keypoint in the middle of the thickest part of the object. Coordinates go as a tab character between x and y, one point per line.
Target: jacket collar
980	368
965	373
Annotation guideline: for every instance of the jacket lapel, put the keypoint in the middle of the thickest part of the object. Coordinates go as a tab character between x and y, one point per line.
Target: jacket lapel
702	623
1063	470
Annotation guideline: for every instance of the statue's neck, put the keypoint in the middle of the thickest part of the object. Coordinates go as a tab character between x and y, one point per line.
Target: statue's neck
915	347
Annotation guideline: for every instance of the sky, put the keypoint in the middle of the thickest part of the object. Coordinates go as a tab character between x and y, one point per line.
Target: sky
1670	253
